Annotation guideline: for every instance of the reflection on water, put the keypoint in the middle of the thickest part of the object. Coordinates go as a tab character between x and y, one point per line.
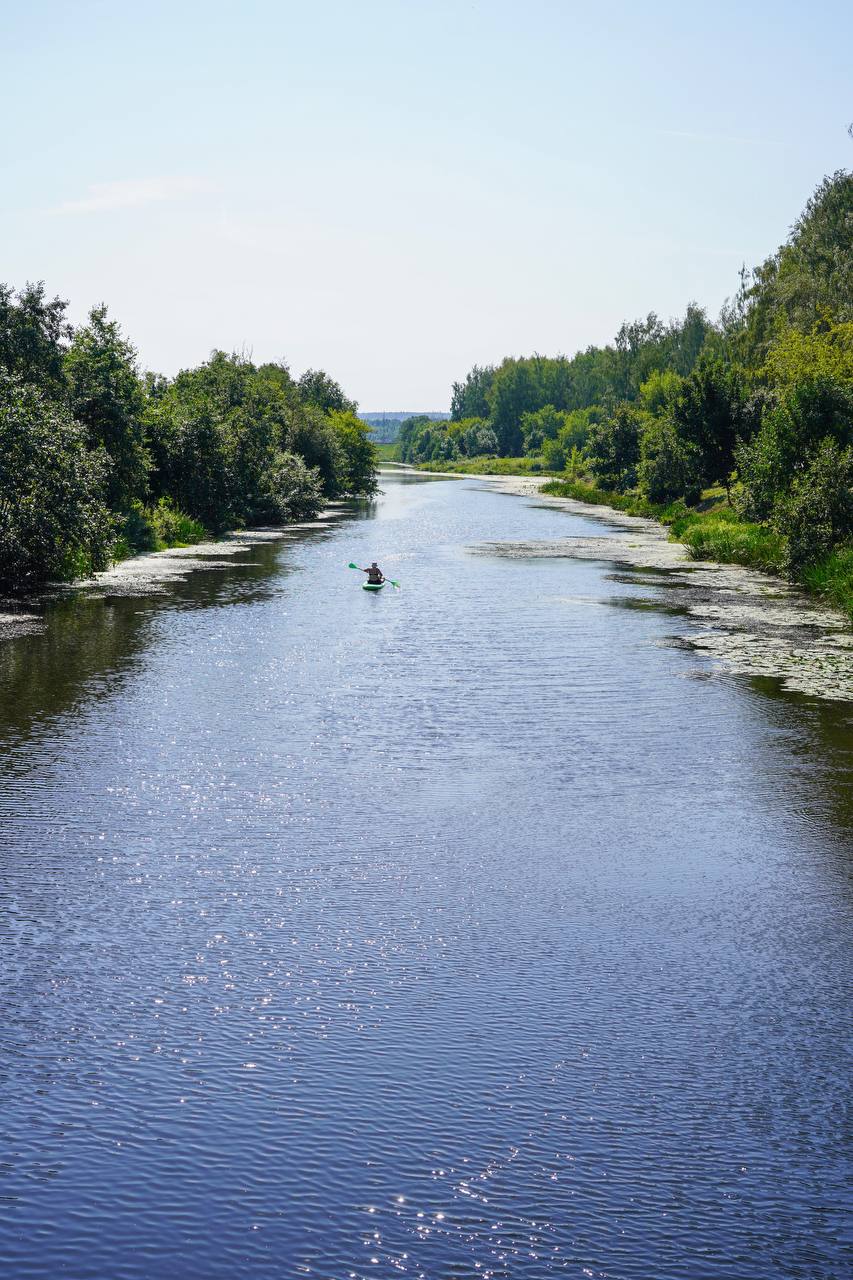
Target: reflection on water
456	932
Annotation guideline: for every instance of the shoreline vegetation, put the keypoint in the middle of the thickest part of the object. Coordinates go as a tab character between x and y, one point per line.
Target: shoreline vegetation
100	462
736	433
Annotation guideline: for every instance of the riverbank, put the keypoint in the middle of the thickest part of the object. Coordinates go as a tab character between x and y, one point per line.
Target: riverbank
749	621
714	533
153	573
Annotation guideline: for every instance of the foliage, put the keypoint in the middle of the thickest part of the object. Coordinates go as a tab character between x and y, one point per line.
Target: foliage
357	454
154	528
53	519
614	448
321	391
33	334
720	535
670	467
808	281
106	396
817	514
295	490
710	412
832	577
470	397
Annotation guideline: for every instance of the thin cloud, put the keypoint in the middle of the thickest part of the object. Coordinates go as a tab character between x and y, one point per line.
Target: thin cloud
709	137
106	196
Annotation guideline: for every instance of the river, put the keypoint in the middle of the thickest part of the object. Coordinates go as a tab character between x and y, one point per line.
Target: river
476	929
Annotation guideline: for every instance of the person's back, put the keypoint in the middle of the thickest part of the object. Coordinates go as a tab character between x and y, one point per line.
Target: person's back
374	574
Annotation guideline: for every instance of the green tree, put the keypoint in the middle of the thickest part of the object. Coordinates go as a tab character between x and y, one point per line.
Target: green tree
711	411
541	424
816	515
669	467
54	523
317	388
469	398
614	448
106	396
512	394
358	453
660	391
33	334
808	281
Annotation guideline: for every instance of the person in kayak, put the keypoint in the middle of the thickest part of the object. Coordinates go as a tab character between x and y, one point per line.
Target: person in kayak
375	576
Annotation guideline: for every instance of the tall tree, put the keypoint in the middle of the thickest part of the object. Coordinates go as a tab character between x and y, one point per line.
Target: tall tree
53	520
33	333
107	397
317	388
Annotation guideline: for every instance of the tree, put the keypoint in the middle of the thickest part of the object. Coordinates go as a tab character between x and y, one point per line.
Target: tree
541	424
711	411
817	514
106	396
669	467
54	523
358	453
512	394
659	392
808	280
614	448
293	491
190	457
470	398
317	388
33	334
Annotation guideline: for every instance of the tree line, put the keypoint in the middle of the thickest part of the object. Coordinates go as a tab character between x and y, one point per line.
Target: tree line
99	461
758	404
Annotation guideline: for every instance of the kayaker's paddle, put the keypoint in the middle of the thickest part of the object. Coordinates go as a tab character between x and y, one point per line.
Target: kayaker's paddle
358	566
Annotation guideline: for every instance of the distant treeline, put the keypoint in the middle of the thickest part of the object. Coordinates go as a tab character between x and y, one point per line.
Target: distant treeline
758	403
385	427
98	461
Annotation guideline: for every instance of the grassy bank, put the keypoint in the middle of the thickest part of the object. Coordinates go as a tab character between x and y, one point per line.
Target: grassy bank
156	528
718	533
490	467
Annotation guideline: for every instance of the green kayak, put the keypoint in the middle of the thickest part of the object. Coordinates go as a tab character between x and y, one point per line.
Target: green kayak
372	586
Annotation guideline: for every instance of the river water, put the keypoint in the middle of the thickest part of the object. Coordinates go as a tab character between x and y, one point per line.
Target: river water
477	929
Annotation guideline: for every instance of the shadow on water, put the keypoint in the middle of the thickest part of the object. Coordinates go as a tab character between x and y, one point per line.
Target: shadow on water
88	640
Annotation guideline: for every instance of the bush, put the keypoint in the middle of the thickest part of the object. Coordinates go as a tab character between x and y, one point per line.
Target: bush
817	514
669	467
295	490
553	455
54	523
720	535
614	448
832	577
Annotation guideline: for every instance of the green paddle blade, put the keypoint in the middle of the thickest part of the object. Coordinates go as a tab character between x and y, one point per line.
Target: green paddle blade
351	565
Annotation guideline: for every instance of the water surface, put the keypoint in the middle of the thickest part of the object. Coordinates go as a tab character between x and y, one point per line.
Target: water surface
473	930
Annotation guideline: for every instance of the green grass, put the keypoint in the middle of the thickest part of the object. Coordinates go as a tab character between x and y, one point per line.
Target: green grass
721	535
490	466
832	578
386	452
631	503
156	528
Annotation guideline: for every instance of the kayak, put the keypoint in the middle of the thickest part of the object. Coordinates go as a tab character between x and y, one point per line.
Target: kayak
372	586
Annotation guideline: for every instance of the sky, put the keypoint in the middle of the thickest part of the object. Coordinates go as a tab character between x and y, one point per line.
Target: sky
395	191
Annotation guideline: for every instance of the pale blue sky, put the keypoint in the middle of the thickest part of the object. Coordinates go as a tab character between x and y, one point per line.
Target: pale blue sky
394	191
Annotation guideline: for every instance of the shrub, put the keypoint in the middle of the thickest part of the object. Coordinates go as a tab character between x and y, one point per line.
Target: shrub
53	520
669	466
817	514
295	490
